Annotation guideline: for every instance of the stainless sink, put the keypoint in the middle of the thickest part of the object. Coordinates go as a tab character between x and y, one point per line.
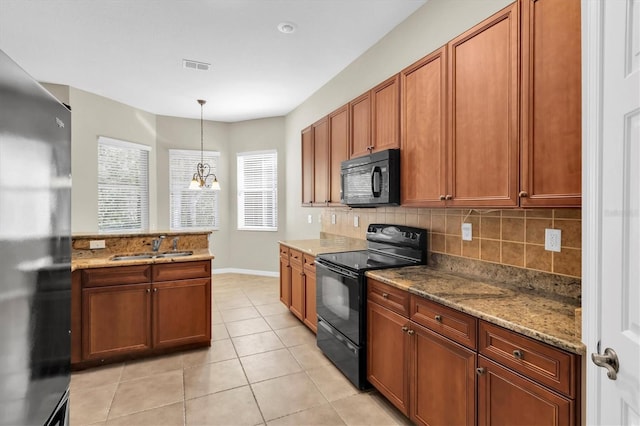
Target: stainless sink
174	254
138	256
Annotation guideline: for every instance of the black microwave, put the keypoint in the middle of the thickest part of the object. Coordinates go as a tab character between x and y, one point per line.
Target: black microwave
371	180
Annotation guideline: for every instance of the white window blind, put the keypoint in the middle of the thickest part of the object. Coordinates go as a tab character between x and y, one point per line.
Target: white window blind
191	208
258	190
123	186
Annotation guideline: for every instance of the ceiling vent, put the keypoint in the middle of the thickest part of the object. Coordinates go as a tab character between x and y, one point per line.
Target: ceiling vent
195	65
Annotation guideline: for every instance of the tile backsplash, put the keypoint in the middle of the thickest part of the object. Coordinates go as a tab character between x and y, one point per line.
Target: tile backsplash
508	237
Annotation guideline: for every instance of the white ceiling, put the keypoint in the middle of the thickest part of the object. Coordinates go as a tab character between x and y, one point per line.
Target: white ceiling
132	50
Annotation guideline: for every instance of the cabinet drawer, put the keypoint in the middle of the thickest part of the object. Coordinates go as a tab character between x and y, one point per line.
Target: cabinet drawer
309	263
388	296
100	277
448	322
284	252
536	360
181	270
295	257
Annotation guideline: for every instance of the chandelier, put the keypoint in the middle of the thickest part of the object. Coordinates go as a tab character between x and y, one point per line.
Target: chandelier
203	170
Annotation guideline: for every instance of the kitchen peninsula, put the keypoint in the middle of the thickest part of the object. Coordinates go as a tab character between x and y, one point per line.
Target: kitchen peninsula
137	295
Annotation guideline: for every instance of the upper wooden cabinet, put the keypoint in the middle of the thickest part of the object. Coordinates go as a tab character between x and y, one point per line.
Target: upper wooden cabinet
307	166
339	147
320	130
375	119
483	113
550	173
423	131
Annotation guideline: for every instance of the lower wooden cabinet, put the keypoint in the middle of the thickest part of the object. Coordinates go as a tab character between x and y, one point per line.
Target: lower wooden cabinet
298	285
126	312
444	367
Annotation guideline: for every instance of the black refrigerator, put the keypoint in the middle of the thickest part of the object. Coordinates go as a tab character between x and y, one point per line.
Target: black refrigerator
35	252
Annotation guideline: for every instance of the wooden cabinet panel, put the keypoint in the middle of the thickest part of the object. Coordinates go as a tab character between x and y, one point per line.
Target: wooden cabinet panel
181	312
285	276
448	322
99	277
360	125
115	320
297	290
181	270
76	316
443	386
307	166
390	297
543	363
385	117
423	131
310	312
321	160
339	146
483	115
388	354
505	398
551	104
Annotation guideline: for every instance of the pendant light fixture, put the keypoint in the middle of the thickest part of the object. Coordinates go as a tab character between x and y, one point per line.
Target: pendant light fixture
203	170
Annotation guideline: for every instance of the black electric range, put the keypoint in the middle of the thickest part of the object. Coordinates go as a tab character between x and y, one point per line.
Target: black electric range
342	292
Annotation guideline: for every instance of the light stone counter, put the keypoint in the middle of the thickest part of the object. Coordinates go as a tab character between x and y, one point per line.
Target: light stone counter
331	244
540	315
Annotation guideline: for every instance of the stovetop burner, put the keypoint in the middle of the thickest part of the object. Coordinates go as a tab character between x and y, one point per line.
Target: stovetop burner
363	260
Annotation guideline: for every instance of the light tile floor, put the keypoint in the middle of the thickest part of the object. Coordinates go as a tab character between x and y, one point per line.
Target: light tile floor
263	367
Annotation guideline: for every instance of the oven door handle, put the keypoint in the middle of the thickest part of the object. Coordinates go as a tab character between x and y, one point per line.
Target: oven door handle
336	269
338	337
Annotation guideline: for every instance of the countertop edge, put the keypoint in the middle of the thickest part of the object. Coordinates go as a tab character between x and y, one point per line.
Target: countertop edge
90	263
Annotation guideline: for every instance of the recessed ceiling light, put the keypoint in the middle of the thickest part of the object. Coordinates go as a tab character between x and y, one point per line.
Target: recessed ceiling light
286	27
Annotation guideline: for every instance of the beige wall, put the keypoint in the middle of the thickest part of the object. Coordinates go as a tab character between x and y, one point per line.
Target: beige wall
430	27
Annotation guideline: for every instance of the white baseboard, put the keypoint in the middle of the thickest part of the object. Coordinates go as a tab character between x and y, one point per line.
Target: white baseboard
245	271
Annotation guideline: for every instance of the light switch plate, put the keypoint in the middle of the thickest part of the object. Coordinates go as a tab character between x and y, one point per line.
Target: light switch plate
96	244
309	219
552	239
356	221
467	234
333	218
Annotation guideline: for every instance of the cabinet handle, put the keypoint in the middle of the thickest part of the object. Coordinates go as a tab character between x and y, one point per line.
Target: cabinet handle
523	194
480	371
448	197
148	291
518	354
442	198
438	318
405	328
385	295
155	290
411	332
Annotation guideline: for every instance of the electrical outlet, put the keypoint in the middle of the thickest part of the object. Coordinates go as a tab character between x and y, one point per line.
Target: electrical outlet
356	221
333	219
552	239
96	244
319	217
309	219
467	234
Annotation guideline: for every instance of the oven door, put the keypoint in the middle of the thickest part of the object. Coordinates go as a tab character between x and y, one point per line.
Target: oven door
339	300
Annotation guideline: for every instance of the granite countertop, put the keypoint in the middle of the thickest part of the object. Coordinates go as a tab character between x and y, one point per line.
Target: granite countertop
326	245
155	233
540	315
98	261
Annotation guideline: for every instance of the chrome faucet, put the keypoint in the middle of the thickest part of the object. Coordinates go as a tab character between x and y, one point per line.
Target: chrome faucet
175	243
155	244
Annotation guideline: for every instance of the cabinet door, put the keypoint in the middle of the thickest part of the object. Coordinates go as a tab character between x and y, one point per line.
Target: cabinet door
423	131
321	164
551	104
360	128
339	149
297	291
505	398
483	115
307	166
443	382
181	312
310	314
388	354
116	320
285	278
385	107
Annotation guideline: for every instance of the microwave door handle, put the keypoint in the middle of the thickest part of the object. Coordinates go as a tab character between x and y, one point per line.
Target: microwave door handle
376	181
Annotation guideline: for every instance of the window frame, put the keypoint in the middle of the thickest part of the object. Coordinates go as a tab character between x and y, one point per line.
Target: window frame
241	189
